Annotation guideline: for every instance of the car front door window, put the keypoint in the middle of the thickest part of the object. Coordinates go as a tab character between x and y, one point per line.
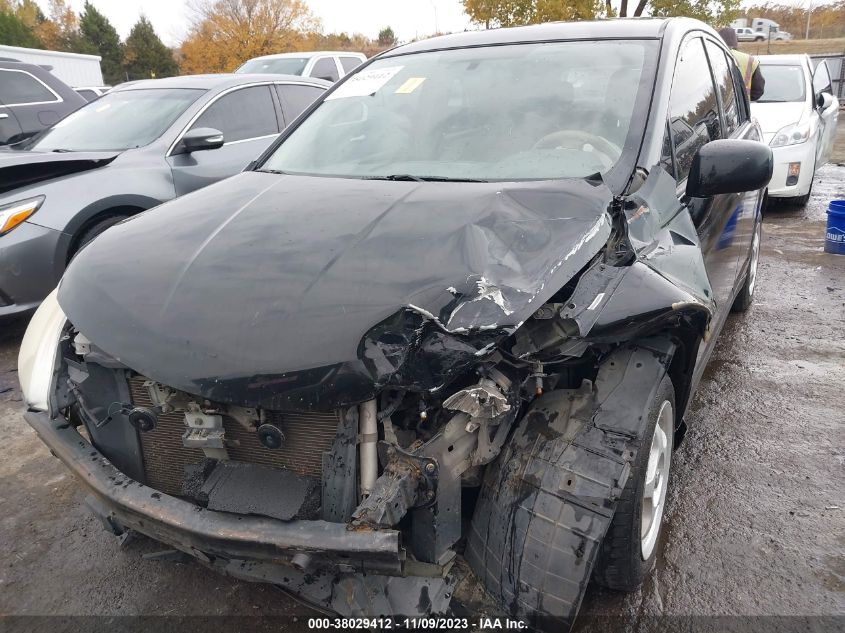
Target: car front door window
725	84
242	114
693	101
821	80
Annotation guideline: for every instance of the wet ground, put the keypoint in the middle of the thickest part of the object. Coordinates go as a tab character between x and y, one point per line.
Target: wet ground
755	515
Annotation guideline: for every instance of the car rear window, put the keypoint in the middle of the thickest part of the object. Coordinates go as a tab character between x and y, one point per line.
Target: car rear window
282	66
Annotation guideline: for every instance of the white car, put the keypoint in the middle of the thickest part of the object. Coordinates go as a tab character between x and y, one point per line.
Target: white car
745	34
798	115
92	92
328	65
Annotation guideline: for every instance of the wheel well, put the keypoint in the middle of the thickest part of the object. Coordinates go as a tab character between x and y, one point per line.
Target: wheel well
95	219
681	371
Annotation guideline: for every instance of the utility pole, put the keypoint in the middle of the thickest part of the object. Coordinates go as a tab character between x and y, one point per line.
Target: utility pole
809	13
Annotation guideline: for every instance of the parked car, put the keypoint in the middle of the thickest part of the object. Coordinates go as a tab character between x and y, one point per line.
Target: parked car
798	114
31	99
463	299
132	149
89	93
746	34
327	65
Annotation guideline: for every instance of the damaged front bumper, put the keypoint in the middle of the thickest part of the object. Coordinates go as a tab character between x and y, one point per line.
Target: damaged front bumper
327	563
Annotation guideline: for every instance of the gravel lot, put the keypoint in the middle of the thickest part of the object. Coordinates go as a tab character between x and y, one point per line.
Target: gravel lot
756	512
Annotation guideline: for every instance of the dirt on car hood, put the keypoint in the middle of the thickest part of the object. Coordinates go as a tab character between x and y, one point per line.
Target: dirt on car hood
307	292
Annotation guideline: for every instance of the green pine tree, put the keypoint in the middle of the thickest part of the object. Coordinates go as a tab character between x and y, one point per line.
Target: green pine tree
15	32
98	36
145	56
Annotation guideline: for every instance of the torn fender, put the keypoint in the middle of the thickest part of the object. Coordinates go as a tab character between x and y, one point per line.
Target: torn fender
665	282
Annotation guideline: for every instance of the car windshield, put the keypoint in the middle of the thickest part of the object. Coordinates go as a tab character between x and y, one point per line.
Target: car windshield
282	65
117	121
514	112
783	83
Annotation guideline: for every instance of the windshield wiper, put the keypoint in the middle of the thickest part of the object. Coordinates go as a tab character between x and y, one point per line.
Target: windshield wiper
409	177
448	179
403	177
61	150
273	171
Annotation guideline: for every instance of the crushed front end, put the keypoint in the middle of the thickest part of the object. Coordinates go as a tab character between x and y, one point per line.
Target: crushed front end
466	424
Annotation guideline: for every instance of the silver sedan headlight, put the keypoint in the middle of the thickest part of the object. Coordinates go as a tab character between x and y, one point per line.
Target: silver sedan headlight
37	357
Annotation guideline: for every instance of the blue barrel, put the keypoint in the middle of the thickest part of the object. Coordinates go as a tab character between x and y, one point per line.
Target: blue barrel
834	239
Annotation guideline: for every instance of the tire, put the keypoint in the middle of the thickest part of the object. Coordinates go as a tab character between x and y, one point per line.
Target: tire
745	297
759	39
629	549
87	236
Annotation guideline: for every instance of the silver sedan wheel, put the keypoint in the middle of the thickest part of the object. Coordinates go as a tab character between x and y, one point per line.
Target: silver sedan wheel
755	256
657	479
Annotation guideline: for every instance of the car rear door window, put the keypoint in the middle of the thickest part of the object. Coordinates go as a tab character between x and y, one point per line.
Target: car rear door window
242	114
295	98
693	107
18	88
325	68
725	84
349	64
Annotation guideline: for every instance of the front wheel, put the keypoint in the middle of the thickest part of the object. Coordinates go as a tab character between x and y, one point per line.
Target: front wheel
629	550
94	230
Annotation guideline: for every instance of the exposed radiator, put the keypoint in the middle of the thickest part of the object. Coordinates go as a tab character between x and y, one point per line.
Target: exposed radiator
307	437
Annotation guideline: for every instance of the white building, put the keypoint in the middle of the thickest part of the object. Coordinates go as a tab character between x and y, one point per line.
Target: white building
74	69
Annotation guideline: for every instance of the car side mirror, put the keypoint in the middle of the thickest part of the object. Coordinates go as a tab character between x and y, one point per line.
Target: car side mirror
202	138
729	166
824	100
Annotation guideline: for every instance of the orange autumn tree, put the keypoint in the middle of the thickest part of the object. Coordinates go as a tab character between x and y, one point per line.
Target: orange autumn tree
226	33
61	31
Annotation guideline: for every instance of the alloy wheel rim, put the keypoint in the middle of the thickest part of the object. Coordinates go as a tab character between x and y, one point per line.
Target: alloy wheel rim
755	255
657	479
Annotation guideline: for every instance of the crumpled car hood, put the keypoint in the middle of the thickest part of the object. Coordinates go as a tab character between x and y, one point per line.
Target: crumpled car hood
308	292
21	168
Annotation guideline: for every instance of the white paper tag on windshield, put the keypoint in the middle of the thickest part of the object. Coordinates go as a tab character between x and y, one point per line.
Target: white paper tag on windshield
365	83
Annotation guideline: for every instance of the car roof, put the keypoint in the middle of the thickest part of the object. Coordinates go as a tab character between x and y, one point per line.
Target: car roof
782	60
309	54
16	65
616	28
210	82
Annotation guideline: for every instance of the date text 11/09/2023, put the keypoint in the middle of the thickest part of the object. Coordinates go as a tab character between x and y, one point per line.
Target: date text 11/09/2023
428	624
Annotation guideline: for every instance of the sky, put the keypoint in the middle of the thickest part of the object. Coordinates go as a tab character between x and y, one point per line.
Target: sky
407	18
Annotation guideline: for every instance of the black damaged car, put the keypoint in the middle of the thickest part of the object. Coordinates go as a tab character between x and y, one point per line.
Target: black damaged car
440	337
